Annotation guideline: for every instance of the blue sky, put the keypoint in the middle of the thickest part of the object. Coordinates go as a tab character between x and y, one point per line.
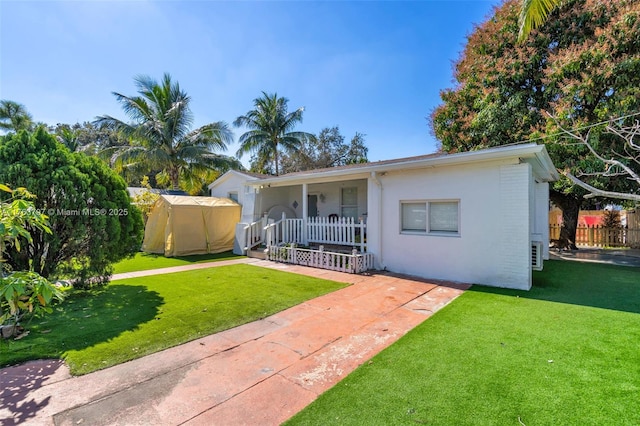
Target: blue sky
372	67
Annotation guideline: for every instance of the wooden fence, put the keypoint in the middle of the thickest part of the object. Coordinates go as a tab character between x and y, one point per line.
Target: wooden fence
598	236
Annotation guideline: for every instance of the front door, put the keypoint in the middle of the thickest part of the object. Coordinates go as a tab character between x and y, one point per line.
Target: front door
312	205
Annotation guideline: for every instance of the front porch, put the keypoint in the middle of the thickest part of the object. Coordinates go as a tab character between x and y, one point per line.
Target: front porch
338	244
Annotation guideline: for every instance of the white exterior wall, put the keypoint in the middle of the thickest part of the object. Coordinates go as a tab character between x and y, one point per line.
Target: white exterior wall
516	214
246	194
232	183
493	245
541	217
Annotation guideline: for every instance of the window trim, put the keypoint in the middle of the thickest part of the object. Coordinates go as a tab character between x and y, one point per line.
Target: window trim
428	231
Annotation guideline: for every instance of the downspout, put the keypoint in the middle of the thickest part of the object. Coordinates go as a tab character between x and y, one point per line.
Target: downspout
374	177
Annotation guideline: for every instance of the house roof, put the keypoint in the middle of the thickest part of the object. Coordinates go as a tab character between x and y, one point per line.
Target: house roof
227	175
536	155
358	165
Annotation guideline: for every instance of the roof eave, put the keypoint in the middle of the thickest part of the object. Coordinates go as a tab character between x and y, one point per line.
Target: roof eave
516	151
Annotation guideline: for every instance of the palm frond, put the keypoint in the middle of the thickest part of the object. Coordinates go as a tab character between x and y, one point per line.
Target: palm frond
251	141
214	136
533	14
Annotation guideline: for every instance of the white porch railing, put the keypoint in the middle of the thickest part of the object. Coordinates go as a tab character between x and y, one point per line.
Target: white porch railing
353	263
254	234
343	231
321	230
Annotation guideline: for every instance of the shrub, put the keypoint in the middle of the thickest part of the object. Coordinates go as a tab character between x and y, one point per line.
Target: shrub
92	221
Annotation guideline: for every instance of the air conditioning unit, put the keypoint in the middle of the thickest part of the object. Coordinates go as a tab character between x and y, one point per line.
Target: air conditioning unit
536	255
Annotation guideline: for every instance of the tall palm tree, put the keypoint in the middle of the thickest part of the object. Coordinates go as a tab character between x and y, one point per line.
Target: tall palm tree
14	116
533	14
270	129
160	134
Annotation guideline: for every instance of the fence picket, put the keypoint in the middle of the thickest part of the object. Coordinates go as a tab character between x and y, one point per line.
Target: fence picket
598	236
354	263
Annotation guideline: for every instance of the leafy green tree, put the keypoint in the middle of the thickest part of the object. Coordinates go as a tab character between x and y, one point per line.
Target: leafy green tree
90	139
21	292
358	151
145	199
161	136
328	149
14	116
92	221
17	213
271	131
580	69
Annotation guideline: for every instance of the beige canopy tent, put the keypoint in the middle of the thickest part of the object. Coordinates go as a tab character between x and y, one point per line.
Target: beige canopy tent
182	225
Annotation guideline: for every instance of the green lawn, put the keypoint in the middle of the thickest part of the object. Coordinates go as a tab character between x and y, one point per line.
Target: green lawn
565	353
145	261
131	318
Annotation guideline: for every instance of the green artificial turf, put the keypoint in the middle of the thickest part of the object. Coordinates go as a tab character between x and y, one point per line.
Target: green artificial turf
146	261
565	353
131	318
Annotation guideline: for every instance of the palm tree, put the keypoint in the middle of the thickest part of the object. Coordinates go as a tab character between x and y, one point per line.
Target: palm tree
270	129
14	116
533	14
160	134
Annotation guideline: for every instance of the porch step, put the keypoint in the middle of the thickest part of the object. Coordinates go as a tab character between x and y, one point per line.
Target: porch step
257	254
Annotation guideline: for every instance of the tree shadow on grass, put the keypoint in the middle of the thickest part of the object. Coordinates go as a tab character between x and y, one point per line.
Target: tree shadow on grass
84	319
587	284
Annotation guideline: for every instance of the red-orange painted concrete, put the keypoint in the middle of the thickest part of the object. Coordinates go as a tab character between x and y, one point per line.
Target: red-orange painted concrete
260	373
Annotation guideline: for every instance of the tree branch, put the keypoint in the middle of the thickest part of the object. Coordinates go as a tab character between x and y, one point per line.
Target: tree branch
595	192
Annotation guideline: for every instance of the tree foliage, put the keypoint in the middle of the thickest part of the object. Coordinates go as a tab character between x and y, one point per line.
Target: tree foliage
611	219
327	149
270	132
580	68
92	221
14	116
620	160
87	138
161	137
21	292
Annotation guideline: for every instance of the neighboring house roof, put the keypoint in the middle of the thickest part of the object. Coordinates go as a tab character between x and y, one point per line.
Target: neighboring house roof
231	173
137	190
536	155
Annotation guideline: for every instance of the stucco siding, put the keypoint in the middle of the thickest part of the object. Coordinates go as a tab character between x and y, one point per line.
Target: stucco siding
492	246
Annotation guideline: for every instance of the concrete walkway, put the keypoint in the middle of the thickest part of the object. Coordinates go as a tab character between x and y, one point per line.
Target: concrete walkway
260	373
624	257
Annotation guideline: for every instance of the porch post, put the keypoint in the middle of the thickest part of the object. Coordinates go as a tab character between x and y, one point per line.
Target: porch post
305	213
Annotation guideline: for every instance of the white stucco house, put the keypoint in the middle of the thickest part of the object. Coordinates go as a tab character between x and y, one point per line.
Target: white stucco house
477	217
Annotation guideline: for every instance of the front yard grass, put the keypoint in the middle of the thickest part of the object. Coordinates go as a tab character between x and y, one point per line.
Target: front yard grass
565	353
145	261
131	318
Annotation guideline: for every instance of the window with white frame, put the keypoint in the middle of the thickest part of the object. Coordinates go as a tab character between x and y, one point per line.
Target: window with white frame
349	202
233	196
430	217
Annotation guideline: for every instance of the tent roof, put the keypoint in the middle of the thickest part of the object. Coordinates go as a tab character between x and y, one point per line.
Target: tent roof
186	200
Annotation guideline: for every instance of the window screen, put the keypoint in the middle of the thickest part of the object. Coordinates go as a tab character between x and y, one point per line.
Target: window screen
414	217
443	216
